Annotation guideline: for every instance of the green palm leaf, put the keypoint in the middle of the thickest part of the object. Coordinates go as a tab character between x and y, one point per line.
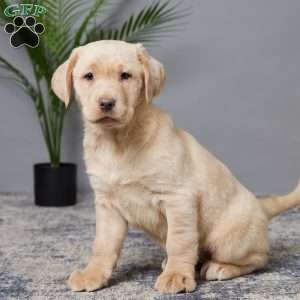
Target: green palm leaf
20	79
18	76
92	13
159	19
3	18
57	24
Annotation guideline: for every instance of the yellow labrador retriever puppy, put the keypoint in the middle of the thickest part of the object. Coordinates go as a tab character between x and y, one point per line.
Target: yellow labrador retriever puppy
146	172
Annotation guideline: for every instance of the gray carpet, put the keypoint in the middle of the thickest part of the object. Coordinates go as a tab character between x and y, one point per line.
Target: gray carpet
39	247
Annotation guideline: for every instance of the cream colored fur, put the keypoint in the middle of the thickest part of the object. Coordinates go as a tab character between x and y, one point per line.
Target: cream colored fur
146	172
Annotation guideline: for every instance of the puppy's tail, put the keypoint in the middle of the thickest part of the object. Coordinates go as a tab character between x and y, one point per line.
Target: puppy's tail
275	205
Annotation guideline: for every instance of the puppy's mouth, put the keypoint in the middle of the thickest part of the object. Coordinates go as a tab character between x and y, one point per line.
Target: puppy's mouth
107	121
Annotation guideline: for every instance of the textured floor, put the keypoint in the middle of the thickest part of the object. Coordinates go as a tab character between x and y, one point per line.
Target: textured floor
39	247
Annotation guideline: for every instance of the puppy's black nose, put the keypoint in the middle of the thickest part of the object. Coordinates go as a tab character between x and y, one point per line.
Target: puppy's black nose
107	105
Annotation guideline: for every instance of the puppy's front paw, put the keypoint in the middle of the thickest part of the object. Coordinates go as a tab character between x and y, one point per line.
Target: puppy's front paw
86	280
174	283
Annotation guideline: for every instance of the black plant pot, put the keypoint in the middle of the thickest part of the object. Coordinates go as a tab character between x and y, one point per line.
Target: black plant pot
55	186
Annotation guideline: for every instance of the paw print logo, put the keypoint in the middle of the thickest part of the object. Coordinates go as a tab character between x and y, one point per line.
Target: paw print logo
24	32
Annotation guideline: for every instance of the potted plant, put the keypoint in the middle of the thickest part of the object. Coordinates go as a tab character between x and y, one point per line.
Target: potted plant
69	24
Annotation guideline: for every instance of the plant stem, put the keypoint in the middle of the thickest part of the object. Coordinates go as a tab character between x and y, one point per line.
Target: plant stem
44	122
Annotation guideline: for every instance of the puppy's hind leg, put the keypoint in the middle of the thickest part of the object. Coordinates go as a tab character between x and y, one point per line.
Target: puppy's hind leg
214	270
241	249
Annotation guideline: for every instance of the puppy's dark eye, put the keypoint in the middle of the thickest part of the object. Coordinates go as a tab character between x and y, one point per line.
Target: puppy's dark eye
125	76
88	76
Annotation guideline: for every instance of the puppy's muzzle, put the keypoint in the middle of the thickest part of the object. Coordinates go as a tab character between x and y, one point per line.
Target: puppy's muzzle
107	105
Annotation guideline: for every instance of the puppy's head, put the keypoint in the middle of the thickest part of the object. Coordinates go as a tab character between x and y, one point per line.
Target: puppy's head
110	79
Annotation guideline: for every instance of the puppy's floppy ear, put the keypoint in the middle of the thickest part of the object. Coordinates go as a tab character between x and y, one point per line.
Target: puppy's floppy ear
154	73
61	81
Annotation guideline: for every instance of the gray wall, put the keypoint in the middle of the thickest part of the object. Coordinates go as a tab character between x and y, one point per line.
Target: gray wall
233	82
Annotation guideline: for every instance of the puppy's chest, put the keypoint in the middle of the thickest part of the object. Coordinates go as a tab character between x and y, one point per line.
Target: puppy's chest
126	183
107	171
